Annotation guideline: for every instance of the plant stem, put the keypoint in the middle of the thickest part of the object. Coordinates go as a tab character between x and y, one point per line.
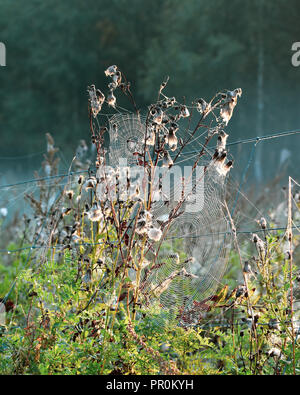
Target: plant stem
290	238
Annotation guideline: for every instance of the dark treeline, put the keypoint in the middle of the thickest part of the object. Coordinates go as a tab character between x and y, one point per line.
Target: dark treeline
56	48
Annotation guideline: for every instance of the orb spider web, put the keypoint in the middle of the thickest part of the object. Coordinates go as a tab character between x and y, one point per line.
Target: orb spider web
192	256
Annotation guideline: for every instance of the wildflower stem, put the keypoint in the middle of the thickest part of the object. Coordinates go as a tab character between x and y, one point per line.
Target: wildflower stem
290	239
253	327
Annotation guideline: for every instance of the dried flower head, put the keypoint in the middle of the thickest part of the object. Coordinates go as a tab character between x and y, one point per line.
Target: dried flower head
111	70
69	194
96	99
117	78
203	107
274	353
154	234
151	138
184	112
263	223
222	139
260	245
229	104
141	226
157	115
240	291
66	211
90	183
167	160
111	99
3	211
172	140
95	213
50	144
220	156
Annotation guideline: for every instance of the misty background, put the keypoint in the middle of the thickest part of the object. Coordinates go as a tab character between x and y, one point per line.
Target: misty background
56	48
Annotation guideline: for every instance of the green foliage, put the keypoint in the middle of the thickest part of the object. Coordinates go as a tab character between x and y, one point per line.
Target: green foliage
47	334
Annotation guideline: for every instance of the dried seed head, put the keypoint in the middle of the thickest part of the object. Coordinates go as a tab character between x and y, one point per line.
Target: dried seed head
167	160
247	267
184	112
229	104
202	106
3	211
47	168
274	352
146	215
95	214
111	99
158	117
111	70
228	165
66	211
154	234
117	77
219	158
151	138
219	155
240	291
96	99
76	225
172	140
263	223
112	86
222	139
90	183
260	245
70	194
141	226
174	127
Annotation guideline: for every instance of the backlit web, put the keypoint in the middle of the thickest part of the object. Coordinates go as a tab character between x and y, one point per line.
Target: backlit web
191	260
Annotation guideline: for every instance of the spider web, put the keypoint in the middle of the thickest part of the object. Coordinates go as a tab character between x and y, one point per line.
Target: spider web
127	136
192	258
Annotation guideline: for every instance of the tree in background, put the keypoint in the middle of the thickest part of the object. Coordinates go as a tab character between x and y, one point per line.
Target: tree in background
55	49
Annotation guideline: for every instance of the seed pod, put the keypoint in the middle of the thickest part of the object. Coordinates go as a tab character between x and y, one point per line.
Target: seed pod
167	160
111	99
222	138
110	71
263	223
